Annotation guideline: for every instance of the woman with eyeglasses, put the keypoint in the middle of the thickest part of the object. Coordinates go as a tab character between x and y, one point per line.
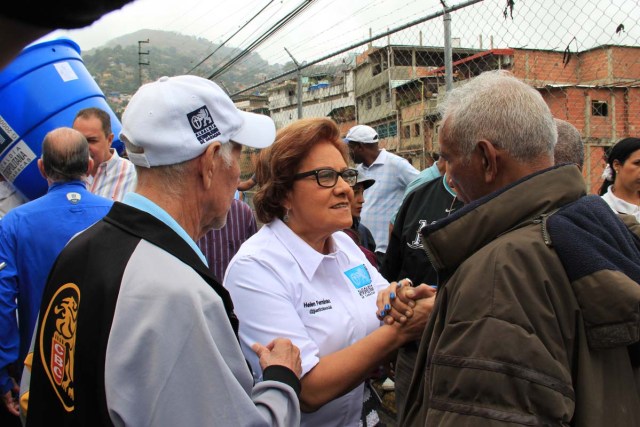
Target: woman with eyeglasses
302	278
621	186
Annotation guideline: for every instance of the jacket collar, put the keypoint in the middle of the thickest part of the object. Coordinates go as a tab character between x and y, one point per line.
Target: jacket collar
453	239
146	226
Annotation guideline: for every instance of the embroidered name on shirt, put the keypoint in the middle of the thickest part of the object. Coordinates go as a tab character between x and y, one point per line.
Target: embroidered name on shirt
317	306
361	280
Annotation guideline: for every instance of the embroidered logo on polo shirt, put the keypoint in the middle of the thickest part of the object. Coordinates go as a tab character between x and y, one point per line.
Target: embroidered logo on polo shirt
74	198
202	124
361	280
57	342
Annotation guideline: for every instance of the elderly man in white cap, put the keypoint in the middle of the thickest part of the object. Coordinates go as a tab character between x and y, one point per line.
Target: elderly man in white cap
134	329
392	174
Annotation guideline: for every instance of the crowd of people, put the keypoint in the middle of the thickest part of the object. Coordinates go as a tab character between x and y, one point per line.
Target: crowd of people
140	290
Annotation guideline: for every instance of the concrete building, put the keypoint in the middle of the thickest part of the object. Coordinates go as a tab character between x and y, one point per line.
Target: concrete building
323	95
597	90
381	76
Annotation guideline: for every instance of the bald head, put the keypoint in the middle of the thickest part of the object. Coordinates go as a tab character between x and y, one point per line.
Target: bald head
569	148
65	155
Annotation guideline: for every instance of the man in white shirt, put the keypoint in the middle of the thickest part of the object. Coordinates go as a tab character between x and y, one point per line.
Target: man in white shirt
112	176
392	174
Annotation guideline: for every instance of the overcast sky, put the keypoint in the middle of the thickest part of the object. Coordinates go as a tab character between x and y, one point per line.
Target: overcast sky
328	25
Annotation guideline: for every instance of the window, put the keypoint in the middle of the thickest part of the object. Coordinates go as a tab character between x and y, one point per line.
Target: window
416	129
406	132
387	130
378	98
402	58
599	108
369	102
393	129
387	96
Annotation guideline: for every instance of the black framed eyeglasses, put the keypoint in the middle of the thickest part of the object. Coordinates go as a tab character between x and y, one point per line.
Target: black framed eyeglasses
328	177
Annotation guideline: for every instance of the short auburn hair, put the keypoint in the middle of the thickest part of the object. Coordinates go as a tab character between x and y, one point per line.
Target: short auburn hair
278	163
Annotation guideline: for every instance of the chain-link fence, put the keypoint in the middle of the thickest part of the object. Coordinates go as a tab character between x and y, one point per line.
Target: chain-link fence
583	56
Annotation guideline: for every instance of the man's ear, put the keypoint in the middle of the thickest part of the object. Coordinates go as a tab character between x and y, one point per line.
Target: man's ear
489	157
90	165
41	168
208	164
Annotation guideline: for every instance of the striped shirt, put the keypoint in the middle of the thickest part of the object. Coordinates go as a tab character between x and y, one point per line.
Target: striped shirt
219	246
114	178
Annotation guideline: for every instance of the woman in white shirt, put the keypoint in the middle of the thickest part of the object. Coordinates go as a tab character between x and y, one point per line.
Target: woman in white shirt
301	277
621	186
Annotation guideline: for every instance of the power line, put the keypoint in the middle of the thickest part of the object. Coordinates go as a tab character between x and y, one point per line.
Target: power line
262	38
342	34
231	36
363	42
234	51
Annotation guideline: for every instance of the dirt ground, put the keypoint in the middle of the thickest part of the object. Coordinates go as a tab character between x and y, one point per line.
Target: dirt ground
388	399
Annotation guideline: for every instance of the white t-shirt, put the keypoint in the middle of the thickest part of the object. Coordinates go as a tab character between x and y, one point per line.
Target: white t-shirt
282	287
620	206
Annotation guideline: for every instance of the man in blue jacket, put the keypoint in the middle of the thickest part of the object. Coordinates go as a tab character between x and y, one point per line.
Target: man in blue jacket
31	237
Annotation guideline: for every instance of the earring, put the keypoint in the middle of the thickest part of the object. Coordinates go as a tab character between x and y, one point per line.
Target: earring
285	218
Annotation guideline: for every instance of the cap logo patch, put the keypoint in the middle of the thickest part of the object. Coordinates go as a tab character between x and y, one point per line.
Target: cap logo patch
58	342
203	125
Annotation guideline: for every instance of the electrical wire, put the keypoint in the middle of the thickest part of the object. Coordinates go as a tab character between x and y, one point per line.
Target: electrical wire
275	28
230	37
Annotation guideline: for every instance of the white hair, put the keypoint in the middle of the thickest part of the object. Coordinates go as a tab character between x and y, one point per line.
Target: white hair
226	152
498	107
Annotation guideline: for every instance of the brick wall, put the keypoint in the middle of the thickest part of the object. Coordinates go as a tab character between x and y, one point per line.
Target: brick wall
539	67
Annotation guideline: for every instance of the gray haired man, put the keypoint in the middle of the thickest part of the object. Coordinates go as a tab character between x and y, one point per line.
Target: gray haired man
536	316
134	329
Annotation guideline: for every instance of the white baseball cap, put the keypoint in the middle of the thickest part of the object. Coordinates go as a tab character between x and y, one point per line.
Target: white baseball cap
362	133
174	119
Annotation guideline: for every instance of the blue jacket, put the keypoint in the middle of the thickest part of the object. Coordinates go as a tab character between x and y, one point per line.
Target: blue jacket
31	237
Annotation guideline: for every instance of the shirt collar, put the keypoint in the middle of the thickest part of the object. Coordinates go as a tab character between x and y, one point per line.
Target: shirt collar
112	162
446	186
380	160
307	258
56	185
620	205
140	202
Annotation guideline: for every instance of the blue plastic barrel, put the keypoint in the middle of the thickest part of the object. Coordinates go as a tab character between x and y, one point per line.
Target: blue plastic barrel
43	89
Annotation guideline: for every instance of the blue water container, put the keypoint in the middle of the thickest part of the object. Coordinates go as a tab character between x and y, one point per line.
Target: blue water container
43	89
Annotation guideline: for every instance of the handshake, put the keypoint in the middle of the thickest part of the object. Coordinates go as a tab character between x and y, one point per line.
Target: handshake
406	307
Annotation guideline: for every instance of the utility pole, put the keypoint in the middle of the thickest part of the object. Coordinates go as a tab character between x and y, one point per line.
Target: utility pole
448	65
299	90
140	61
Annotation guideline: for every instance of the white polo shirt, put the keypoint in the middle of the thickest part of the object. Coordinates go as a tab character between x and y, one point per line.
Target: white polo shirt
282	287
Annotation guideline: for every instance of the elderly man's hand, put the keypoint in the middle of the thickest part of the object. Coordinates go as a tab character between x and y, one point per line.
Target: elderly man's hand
412	327
280	351
397	301
392	304
10	402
